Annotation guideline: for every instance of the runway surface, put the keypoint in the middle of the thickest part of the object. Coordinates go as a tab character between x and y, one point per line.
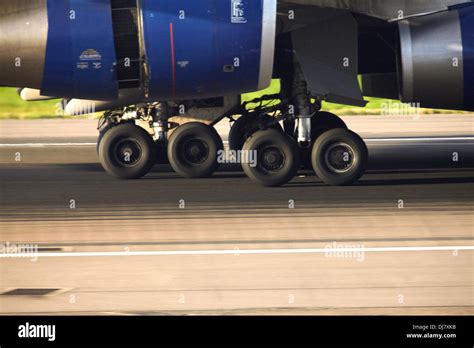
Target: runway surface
398	242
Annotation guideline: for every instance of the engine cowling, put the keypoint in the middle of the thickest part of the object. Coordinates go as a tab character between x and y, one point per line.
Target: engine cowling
195	48
437	60
180	49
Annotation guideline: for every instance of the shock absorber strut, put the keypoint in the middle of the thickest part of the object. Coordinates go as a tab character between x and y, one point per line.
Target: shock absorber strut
160	113
297	90
302	106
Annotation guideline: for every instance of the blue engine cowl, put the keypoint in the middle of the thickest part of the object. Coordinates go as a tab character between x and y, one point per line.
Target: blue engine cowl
195	48
184	49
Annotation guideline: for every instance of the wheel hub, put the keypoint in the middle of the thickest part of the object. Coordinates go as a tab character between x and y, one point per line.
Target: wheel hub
340	157
127	152
195	151
272	159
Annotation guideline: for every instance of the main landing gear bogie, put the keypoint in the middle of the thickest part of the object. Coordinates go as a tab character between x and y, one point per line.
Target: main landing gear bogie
337	155
322	141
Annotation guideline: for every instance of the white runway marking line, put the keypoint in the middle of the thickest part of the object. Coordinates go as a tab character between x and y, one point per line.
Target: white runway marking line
234	252
226	142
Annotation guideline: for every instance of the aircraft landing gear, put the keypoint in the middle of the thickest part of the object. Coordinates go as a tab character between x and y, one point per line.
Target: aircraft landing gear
134	139
311	139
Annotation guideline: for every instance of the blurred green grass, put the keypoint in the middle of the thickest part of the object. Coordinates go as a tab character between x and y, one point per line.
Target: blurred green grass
13	107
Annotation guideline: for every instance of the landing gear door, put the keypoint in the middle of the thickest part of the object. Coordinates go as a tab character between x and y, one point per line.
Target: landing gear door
327	51
80	54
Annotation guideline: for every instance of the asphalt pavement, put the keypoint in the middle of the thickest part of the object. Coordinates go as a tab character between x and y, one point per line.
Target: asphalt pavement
400	241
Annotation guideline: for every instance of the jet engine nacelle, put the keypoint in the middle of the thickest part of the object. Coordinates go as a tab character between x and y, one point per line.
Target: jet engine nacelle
170	50
437	60
197	48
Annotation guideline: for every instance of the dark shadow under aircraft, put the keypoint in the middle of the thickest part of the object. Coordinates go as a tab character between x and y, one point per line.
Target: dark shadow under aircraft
144	61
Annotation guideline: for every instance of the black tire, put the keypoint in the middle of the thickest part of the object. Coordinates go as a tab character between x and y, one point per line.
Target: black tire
101	136
106	128
161	147
127	151
278	158
193	150
244	127
339	157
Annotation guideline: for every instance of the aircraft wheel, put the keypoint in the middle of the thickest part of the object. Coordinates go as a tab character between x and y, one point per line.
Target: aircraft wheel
277	158
244	127
127	151
193	150
161	147
339	157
